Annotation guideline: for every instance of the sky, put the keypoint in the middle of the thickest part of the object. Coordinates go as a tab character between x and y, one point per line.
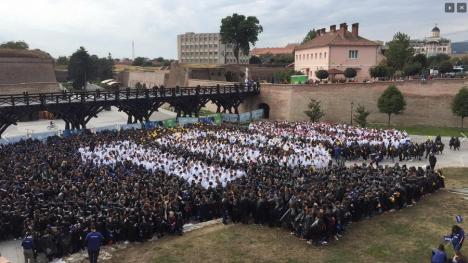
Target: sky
59	27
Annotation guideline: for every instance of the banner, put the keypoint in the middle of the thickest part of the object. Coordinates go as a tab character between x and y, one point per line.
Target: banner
170	123
218	119
230	117
207	120
134	126
186	120
257	114
244	117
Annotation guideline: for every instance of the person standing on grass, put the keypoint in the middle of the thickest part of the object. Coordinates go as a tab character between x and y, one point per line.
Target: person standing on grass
93	243
439	255
432	161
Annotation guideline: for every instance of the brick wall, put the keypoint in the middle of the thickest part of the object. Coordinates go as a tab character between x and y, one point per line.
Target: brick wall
427	103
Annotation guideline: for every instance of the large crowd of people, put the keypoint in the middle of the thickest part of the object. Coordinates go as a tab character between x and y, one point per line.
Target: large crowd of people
136	184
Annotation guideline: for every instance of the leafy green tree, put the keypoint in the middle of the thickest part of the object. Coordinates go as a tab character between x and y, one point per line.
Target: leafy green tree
399	51
445	67
321	74
379	71
309	36
240	31
314	111
350	73
284	76
391	102
412	69
398	74
15	45
79	68
139	61
421	59
62	60
460	104
360	115
278	59
435	61
255	60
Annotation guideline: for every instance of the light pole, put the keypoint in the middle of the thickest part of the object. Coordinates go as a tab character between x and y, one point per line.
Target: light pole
352	104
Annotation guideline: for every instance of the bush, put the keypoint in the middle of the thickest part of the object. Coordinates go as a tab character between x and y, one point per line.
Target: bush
350	73
321	74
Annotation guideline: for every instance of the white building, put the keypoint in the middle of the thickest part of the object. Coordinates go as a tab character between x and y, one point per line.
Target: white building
206	48
433	45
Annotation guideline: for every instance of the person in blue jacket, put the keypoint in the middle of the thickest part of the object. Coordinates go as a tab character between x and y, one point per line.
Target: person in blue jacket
28	249
93	243
439	255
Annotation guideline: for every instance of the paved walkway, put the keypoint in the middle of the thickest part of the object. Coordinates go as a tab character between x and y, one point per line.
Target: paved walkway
105	118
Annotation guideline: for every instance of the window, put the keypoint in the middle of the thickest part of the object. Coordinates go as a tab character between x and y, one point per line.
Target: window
315	55
353	54
307	56
320	55
325	55
303	56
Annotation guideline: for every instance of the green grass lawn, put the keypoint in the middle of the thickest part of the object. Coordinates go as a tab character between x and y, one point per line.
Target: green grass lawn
407	235
426	130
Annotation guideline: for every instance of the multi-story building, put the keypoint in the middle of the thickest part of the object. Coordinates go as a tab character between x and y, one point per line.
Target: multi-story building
337	50
206	48
433	45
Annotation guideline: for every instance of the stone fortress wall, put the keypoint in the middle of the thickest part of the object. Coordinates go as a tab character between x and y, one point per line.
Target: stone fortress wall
26	71
427	103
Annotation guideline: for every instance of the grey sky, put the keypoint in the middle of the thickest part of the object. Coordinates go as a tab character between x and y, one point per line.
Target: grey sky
102	26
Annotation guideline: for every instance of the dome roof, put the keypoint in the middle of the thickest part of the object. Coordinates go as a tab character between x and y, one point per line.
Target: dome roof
435	29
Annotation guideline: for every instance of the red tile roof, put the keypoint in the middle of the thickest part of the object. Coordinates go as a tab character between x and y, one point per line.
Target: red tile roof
288	49
337	38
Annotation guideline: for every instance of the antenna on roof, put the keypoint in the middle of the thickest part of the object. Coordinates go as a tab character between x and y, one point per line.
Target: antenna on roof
133	50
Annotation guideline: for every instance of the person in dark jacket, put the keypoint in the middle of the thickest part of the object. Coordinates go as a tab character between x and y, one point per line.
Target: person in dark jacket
432	161
28	249
93	243
439	255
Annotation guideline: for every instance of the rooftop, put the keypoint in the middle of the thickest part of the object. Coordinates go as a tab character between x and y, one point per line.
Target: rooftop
337	37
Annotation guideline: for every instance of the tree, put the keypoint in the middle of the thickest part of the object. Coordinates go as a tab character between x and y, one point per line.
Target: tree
139	61
350	73
435	61
62	60
379	71
391	102
360	115
284	76
79	68
240	31
15	45
321	74
278	59
421	59
445	67
255	60
412	69
399	51
315	112
309	36
460	104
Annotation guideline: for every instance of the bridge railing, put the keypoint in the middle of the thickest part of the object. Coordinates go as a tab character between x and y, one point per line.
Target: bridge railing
26	99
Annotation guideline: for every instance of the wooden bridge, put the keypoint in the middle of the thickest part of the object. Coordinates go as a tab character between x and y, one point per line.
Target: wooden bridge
77	108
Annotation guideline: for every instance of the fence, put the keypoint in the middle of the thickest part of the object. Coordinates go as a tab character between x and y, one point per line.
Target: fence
215	119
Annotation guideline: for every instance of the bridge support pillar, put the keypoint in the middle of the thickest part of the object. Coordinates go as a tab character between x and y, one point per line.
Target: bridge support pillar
76	116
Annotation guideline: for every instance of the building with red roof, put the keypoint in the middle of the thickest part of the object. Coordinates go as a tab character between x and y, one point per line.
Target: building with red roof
337	50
